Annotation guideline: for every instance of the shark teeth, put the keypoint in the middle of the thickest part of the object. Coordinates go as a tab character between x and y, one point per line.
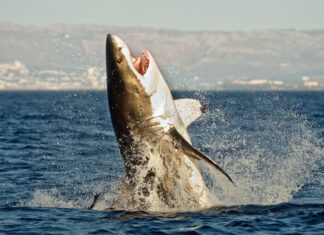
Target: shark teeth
142	62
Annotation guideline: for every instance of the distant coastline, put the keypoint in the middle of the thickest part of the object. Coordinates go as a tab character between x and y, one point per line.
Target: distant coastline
72	57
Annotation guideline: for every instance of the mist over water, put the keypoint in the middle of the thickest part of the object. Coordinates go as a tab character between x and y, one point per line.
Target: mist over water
58	149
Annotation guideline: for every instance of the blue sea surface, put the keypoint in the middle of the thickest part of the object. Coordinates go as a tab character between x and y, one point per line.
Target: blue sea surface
58	148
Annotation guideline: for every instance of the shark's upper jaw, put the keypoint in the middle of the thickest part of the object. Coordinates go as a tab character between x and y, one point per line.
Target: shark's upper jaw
140	64
143	67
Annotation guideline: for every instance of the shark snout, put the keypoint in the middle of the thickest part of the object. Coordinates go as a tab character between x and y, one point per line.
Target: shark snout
119	49
116	42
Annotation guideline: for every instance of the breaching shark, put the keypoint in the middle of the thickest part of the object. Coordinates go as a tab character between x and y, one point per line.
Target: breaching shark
150	128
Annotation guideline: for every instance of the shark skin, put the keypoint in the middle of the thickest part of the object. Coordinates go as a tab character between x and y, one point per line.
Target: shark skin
159	159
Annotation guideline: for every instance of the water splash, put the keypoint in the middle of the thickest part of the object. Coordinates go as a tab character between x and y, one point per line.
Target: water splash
263	141
50	198
270	151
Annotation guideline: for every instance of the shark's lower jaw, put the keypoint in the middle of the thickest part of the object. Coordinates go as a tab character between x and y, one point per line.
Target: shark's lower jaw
142	62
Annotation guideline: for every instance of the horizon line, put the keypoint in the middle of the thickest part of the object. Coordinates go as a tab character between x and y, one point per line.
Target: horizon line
193	90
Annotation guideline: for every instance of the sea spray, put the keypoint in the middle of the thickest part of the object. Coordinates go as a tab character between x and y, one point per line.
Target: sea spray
263	140
270	150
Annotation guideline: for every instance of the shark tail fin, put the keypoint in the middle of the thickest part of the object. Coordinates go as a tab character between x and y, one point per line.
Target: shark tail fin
94	202
195	153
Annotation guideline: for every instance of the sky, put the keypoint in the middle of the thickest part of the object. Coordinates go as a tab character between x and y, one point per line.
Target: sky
229	15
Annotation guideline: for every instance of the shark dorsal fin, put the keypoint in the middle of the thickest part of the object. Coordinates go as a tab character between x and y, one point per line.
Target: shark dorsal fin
195	153
189	110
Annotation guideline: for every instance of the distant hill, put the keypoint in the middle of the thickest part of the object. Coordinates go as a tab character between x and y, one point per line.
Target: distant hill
73	57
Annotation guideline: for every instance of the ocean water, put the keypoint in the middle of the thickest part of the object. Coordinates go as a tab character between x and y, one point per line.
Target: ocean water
57	149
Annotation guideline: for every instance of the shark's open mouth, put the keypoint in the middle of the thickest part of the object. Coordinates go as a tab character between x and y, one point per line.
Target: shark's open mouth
142	62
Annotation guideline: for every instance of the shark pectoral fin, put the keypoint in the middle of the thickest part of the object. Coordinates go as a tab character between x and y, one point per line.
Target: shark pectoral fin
194	153
189	110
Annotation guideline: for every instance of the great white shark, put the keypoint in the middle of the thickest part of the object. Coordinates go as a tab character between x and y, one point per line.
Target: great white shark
150	128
